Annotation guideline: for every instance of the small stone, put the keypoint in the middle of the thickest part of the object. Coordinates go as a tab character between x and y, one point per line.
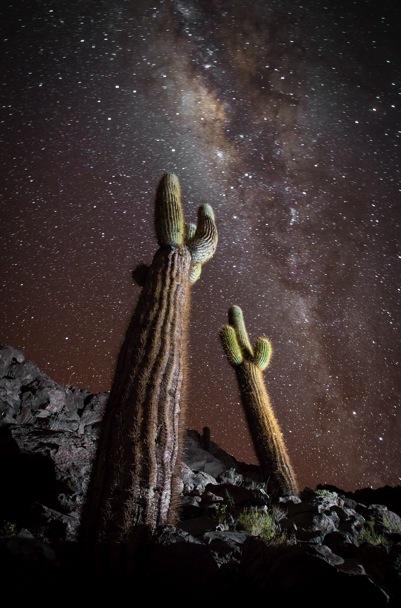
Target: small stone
295	500
351	566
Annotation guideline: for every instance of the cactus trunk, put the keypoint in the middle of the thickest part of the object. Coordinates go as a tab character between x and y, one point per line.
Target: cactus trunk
135	481
265	430
137	468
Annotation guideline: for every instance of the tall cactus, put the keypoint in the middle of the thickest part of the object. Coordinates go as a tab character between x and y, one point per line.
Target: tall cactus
249	363
137	466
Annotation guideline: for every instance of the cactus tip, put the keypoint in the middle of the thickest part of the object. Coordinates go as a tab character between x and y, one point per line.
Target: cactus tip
172	178
206	210
169	216
235	311
230	345
263	351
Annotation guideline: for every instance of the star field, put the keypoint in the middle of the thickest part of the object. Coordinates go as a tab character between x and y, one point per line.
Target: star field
286	119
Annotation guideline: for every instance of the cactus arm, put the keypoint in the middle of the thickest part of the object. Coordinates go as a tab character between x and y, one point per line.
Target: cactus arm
262	352
190	230
169	215
204	242
195	272
236	319
230	344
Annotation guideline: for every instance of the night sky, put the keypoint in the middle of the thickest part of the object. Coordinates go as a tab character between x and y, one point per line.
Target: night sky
285	117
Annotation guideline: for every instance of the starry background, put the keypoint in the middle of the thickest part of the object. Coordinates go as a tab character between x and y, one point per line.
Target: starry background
286	118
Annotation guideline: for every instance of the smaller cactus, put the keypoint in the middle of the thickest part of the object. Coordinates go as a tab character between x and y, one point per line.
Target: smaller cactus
262	352
249	362
231	346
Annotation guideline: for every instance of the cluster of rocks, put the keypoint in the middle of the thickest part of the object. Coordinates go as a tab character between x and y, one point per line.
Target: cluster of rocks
47	443
232	536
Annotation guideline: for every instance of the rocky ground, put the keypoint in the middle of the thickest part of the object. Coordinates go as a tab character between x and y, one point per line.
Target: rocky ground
325	546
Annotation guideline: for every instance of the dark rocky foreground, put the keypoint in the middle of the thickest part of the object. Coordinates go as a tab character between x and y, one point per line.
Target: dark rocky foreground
233	541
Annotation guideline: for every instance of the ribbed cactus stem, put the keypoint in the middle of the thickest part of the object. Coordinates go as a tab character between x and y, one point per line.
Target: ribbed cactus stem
204	242
195	272
236	319
263	425
190	230
262	352
135	480
267	437
169	215
230	344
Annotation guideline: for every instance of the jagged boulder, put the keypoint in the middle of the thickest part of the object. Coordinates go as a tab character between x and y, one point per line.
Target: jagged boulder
195	482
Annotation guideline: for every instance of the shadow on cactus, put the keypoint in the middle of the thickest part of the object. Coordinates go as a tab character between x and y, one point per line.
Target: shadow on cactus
249	363
136	472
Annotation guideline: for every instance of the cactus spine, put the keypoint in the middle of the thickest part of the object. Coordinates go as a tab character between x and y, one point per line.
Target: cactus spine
249	363
138	462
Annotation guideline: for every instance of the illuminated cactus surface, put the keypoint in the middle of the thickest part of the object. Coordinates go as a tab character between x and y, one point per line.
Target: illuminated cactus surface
137	468
249	363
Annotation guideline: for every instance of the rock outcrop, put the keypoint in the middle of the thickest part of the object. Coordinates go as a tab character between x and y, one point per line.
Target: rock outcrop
232	537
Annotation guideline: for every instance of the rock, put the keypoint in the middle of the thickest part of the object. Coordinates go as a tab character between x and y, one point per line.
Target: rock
209	499
350	522
226	546
308	523
239	496
190	501
53	525
340	542
24	533
387	521
198	459
93	410
289	499
48	462
169	535
351	566
195	482
349	503
327	554
190	507
8	355
231	476
231	538
327	501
